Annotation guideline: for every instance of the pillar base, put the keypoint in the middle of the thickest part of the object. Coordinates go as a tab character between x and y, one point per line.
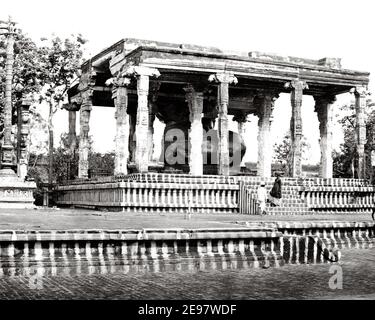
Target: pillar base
14	192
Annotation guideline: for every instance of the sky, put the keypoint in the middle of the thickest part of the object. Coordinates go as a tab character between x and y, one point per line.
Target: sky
308	29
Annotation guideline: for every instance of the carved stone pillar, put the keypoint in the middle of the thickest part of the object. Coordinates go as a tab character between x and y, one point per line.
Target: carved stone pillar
7	147
240	118
323	107
141	149
132	142
120	97
150	133
195	102
84	145
295	161
265	106
72	135
360	93
224	79
154	90
24	137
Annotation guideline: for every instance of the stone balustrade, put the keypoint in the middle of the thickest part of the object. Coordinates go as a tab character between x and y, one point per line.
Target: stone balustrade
338	195
157	192
152	196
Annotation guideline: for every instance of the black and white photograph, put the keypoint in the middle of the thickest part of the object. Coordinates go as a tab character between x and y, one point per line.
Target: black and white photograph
202	152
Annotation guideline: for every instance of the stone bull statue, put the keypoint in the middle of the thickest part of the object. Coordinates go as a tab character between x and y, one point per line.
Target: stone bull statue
176	148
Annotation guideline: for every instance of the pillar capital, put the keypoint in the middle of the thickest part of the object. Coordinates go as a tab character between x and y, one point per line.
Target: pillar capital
296	84
140	71
191	93
271	95
360	91
195	102
264	103
223	77
118	84
325	99
87	79
74	102
86	96
241	116
321	101
71	106
154	88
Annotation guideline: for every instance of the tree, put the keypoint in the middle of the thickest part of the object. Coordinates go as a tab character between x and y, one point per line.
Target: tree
101	164
66	162
60	61
281	151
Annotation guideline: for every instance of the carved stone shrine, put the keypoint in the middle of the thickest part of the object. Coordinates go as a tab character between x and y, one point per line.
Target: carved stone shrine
195	91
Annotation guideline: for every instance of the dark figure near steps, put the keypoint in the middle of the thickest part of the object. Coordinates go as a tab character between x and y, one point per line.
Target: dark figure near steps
275	194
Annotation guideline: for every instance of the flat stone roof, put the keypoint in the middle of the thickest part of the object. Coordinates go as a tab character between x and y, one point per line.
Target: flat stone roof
128	45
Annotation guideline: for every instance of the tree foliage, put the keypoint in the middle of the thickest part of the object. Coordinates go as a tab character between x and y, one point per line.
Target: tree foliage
281	151
60	60
66	162
46	71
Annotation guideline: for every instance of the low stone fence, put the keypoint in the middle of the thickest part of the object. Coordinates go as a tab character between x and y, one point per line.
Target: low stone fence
153	197
155	192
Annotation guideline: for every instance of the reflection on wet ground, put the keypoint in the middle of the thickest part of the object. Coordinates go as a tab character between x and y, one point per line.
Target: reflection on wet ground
304	281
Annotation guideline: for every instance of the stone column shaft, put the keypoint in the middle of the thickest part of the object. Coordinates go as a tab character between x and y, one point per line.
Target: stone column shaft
241	129
120	96
152	107
241	118
264	134
142	121
72	130
7	147
223	97
150	133
295	161
224	79
195	102
24	138
84	144
323	107
360	129
141	131
132	142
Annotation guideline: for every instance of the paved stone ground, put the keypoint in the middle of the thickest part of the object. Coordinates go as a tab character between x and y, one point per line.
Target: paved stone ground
287	282
50	219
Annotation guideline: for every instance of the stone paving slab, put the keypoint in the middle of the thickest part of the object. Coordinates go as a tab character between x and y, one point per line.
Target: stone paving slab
303	281
68	219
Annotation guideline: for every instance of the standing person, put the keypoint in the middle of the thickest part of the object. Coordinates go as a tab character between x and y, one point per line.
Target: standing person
275	194
262	198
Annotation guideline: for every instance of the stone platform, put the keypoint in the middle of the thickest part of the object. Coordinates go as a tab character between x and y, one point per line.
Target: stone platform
15	192
161	192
